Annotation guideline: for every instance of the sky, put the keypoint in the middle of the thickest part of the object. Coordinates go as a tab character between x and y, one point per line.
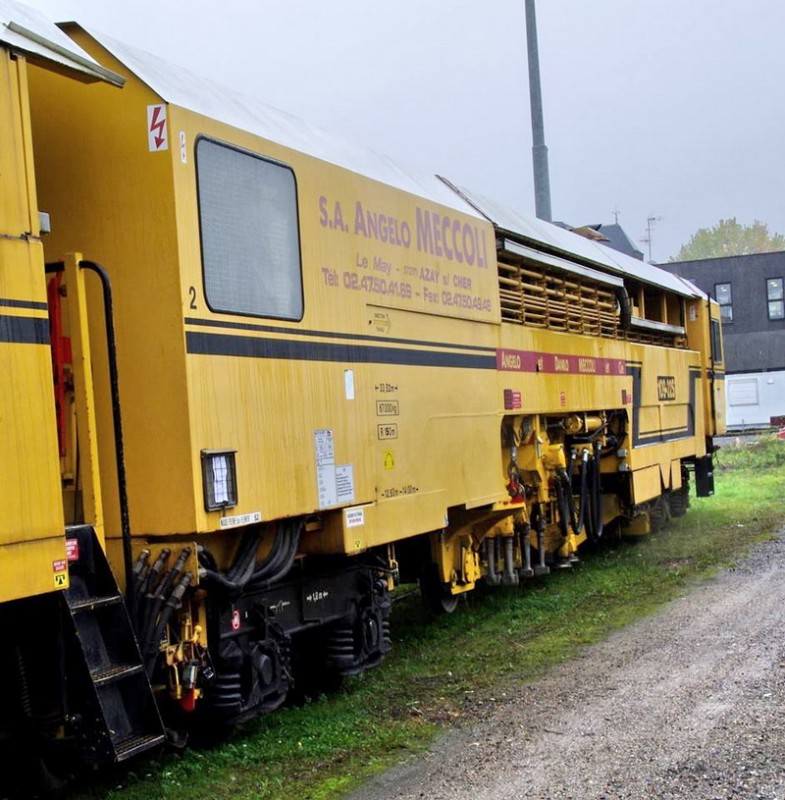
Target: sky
669	110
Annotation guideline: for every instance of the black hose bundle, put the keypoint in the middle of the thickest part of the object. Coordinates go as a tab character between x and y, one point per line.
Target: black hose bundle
158	595
565	497
245	560
245	575
277	565
594	520
149	577
564	503
173	603
146	580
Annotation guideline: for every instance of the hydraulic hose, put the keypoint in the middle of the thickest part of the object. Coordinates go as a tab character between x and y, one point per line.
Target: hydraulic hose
278	566
277	557
563	504
584	496
212	578
595	527
244	575
151	576
235	579
206	558
140	565
174	602
147	587
625	308
168	581
156	597
246	556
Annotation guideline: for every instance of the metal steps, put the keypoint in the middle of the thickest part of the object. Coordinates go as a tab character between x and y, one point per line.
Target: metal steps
120	714
92	603
114	673
134	745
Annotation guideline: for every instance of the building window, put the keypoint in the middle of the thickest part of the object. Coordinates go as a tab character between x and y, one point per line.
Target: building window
742	392
775	298
722	294
250	234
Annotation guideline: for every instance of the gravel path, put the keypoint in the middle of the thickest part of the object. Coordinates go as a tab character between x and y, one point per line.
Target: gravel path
685	704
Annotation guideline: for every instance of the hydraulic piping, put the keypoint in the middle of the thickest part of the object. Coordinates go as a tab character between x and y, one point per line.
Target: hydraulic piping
594	528
244	575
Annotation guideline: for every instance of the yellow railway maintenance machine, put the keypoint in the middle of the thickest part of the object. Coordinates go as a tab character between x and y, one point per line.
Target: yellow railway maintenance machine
296	374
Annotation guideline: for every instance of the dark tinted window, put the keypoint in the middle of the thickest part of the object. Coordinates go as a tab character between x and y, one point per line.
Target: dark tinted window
250	235
716	342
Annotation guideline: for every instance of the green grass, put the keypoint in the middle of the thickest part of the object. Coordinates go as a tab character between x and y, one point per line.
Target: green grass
447	670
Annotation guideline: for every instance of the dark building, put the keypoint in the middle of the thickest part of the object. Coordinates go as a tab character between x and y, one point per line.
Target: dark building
612	235
751	293
618	240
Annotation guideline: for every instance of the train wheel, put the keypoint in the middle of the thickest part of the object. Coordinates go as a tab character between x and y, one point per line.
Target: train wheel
313	677
679	502
436	594
659	513
46	777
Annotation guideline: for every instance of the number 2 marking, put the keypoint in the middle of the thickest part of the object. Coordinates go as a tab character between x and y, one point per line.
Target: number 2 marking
192	295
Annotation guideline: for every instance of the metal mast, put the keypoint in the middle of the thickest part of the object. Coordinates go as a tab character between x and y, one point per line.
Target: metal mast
542	184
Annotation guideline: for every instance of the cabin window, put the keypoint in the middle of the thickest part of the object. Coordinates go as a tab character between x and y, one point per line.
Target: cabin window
723	295
775	298
249	233
716	342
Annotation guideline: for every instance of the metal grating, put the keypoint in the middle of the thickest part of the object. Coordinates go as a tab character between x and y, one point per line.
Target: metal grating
534	295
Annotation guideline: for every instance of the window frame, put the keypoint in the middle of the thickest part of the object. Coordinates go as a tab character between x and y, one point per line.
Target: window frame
729	305
715	331
780	300
275	162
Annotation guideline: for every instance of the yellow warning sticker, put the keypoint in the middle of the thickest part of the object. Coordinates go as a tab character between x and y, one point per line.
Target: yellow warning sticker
61	580
389	459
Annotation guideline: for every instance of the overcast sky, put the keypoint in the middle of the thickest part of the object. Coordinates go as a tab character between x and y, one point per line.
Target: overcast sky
672	109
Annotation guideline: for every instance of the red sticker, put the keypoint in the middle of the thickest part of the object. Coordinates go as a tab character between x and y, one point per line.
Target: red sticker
511	399
61	565
72	549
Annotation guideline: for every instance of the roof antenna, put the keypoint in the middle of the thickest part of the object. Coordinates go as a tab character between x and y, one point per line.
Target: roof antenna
651	221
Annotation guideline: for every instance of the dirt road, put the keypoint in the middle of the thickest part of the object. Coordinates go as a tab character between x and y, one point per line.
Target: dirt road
689	703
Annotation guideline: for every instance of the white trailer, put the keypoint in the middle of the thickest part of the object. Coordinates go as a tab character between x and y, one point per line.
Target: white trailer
753	399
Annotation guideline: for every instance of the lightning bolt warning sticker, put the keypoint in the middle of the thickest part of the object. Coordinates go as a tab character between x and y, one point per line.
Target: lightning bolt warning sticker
157	138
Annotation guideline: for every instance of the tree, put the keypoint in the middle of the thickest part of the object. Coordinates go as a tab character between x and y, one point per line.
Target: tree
730	238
